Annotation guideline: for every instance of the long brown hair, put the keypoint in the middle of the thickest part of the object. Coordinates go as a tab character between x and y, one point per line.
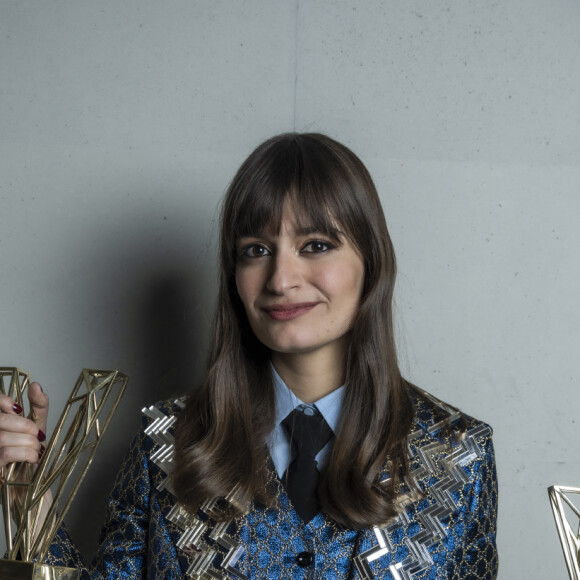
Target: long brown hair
220	435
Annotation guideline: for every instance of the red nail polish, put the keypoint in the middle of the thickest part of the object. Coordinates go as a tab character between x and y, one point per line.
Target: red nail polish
41	452
17	409
41	436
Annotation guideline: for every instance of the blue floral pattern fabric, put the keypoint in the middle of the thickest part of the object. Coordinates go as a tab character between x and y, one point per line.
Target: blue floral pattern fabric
445	528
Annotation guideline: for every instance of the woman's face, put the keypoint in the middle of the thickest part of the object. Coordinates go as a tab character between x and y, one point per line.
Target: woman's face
300	288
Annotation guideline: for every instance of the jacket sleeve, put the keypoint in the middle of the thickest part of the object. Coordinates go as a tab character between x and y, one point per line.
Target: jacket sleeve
474	556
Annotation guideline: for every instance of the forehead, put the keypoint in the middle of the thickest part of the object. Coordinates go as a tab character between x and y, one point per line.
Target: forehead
291	228
273	218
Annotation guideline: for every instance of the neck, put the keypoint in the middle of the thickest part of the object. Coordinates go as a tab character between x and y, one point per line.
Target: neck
311	376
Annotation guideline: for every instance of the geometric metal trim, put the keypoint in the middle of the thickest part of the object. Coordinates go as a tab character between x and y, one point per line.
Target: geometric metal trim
569	537
191	542
432	460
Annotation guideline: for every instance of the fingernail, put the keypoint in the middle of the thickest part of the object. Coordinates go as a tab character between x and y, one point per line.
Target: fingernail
41	436
17	409
41	452
41	388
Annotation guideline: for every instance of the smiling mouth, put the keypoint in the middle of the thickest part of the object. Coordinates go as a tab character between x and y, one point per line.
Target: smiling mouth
288	311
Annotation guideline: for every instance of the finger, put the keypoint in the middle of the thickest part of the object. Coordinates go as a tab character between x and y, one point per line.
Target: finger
19	454
9	440
12	423
8	405
38	405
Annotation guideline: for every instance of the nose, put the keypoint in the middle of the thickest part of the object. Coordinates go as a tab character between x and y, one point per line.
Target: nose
285	272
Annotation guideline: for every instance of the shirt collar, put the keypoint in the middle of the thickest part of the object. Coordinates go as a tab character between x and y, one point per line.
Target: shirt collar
329	406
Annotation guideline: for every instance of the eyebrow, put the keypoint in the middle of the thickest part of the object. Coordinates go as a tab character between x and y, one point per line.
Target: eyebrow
307	230
303	231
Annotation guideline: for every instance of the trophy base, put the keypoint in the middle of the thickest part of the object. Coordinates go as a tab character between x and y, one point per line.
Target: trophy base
16	570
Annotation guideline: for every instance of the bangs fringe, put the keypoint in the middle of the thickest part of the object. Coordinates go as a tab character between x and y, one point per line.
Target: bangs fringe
312	183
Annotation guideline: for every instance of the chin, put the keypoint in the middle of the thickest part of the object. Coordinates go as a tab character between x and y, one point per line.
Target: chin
297	347
290	346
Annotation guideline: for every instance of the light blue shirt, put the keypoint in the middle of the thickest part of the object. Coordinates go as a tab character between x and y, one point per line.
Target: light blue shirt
286	401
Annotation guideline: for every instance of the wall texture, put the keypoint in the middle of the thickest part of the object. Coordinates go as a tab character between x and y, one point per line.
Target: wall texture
121	124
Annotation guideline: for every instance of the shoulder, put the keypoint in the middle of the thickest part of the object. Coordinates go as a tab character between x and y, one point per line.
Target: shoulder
445	442
157	425
161	417
440	420
167	407
155	441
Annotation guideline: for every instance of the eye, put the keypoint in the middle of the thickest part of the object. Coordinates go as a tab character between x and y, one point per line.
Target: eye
317	247
254	251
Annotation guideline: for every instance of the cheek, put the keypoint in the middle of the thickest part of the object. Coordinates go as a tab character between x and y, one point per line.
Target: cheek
358	279
346	284
241	284
246	285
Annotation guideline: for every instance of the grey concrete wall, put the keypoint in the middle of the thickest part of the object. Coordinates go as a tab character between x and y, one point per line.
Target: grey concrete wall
121	124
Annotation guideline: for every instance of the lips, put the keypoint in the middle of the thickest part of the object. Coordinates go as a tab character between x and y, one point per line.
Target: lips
284	312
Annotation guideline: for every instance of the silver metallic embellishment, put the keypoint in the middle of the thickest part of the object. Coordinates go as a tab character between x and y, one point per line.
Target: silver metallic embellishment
191	542
434	459
439	460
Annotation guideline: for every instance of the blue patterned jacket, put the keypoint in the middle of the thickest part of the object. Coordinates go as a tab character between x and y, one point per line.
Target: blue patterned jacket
448	532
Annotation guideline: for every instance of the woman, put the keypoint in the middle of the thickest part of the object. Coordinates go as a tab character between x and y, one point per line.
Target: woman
398	485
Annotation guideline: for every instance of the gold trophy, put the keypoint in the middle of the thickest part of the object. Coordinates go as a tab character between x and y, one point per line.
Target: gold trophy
562	503
30	520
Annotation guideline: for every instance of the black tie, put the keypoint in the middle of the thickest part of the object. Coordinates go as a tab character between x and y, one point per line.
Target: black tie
308	435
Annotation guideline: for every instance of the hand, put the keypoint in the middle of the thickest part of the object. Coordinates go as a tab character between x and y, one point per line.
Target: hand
21	439
21	443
